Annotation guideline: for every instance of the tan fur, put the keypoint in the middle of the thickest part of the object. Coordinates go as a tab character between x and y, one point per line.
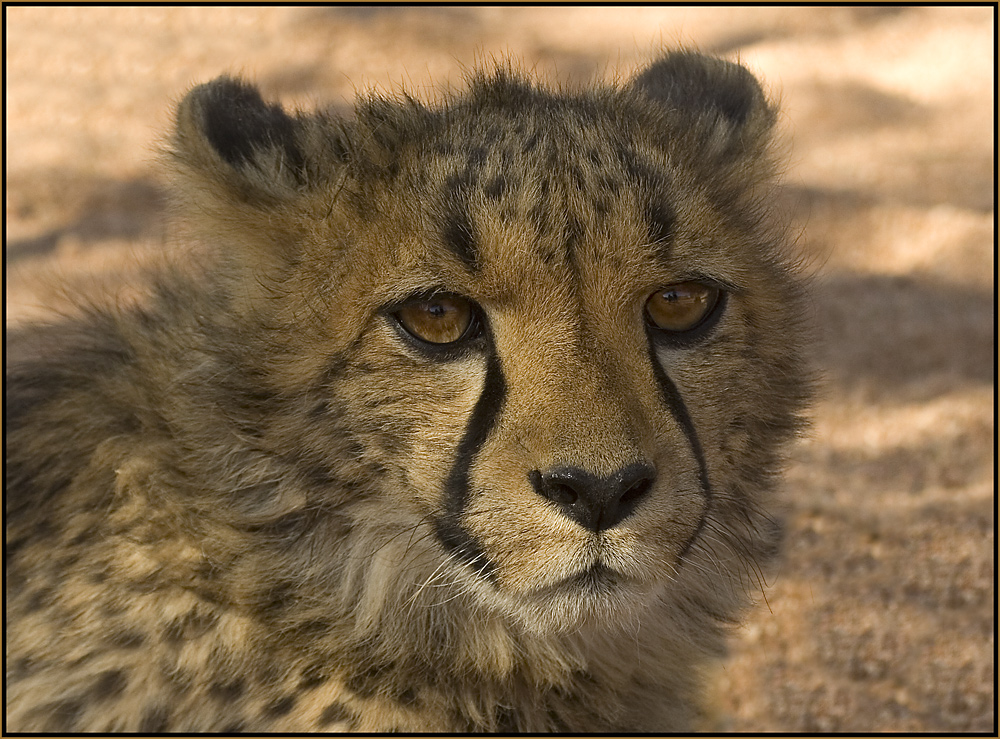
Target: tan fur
255	503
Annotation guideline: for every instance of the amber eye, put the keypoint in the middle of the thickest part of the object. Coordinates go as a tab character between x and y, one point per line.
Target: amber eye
440	319
681	307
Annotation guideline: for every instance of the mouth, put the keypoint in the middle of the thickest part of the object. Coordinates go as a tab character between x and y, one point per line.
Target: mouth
598	578
596	582
597	596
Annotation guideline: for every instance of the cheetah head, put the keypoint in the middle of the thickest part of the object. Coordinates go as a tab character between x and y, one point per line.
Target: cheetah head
556	328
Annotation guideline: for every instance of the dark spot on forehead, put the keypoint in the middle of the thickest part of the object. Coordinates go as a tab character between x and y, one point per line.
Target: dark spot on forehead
552	157
22	668
319	474
661	220
83	537
178	677
493	134
457	230
660	217
459	237
267	672
641	172
38	600
457	184
207	595
630	162
145	584
64	563
549	254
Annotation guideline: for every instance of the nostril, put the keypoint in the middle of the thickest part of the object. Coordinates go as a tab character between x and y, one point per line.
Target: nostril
562	494
638	490
555	489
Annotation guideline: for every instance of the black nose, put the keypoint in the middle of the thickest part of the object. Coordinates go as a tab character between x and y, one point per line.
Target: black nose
596	503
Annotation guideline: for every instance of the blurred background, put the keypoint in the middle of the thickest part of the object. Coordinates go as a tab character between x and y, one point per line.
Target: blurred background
883	615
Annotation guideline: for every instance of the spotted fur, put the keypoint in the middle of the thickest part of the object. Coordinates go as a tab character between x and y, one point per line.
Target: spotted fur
252	501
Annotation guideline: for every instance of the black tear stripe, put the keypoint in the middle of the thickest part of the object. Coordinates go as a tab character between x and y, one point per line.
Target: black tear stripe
672	397
456	489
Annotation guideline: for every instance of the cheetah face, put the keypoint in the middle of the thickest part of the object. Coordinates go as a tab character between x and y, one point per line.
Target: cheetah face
574	481
549	445
556	322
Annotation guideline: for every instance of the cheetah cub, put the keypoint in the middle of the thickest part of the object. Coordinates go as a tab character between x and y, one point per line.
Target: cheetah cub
466	421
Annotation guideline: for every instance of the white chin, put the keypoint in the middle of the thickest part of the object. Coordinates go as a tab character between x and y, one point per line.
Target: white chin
582	601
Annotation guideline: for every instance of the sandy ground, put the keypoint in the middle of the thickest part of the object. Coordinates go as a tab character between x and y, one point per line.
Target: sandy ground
883	616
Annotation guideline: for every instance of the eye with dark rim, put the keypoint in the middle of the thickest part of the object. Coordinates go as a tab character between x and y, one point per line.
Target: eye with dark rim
439	321
684	311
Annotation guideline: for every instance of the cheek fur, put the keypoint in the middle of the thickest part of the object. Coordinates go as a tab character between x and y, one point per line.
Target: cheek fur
436	437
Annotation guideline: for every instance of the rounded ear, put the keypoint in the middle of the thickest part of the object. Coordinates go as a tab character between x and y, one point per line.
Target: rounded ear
243	168
722	94
226	134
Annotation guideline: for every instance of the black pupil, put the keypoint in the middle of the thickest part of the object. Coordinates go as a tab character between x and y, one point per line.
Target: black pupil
436	310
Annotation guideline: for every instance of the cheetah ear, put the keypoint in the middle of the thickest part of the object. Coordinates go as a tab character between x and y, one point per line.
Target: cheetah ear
228	136
721	95
241	165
